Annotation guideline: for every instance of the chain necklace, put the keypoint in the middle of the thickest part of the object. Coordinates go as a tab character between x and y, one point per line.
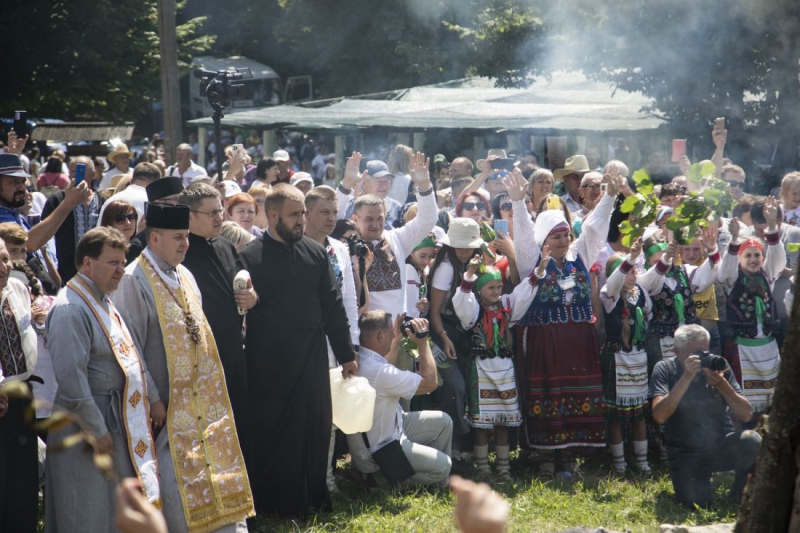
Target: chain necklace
192	327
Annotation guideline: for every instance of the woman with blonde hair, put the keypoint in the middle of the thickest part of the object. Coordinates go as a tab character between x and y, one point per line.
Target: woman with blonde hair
259	194
237	235
400	166
540	187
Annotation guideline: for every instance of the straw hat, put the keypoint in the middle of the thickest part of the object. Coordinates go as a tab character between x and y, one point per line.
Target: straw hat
121	149
463	233
577	164
500	153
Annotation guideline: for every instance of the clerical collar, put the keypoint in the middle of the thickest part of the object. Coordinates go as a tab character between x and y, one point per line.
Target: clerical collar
103	297
198	238
160	263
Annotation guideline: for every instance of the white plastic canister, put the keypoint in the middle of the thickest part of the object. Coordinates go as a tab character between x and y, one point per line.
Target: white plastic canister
353	402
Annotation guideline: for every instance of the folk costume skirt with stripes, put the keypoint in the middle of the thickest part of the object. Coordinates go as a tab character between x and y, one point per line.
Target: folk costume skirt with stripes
561	384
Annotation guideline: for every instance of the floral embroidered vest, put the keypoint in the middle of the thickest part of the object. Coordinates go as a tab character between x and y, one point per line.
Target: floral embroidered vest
550	304
624	311
478	340
741	307
665	316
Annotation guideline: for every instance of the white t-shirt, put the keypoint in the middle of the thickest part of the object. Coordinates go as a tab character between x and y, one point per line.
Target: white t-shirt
194	171
792	216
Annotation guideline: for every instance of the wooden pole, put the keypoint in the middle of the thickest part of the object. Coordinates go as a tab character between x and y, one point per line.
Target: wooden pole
170	91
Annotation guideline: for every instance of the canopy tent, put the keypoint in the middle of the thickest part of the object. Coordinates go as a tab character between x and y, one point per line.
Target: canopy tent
567	103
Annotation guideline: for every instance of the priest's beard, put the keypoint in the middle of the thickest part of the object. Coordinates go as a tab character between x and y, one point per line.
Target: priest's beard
289	234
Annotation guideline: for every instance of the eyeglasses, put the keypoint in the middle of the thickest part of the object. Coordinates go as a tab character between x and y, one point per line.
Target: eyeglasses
210	214
506	206
591	187
734	183
121	219
469	206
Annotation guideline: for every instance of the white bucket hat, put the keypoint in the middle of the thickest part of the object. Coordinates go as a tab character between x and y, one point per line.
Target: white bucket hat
463	233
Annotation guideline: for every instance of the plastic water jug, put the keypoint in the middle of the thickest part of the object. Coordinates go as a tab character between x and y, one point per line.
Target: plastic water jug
353	402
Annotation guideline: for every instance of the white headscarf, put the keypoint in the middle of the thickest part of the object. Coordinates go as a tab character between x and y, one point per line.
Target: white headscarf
546	222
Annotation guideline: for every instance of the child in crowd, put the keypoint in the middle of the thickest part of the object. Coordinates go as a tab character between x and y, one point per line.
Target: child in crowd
749	278
705	302
790	198
627	308
672	288
417	267
492	400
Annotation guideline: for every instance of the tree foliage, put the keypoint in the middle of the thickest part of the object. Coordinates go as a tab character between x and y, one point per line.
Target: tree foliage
93	59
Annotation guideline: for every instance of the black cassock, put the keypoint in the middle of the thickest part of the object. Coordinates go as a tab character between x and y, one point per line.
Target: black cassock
287	365
214	264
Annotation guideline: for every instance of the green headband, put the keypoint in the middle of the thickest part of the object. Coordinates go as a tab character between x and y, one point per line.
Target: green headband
427	242
654	248
486	277
615	265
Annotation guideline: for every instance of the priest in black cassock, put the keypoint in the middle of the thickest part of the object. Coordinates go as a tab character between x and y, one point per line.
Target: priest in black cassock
214	263
287	361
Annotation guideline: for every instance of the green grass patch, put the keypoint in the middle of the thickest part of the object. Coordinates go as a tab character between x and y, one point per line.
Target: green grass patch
595	499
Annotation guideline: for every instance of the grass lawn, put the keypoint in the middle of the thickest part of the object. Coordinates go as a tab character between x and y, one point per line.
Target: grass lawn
596	499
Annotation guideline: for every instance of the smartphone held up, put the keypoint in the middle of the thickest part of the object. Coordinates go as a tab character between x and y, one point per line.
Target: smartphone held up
21	123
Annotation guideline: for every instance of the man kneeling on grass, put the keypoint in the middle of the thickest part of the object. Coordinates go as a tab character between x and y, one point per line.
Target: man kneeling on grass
425	437
694	404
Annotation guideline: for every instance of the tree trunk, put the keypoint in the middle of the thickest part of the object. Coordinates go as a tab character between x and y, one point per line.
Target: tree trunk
770	494
170	90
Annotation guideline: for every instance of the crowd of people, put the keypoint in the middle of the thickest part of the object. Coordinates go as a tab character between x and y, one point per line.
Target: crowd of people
187	324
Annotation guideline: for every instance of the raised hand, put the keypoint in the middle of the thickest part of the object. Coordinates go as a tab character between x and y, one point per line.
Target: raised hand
710	233
669	254
733	227
420	171
542	268
613	182
516	185
684	164
636	249
15	144
771	212
474	265
75	195
719	134
351	174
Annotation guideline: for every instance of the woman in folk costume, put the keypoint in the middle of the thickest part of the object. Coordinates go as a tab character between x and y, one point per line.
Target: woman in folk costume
748	279
627	308
672	288
558	364
492	400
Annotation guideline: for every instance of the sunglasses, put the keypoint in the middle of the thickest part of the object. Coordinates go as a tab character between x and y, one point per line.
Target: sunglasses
469	206
506	206
733	183
121	219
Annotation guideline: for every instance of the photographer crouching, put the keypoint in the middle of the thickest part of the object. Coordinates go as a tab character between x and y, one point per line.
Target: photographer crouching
693	397
412	447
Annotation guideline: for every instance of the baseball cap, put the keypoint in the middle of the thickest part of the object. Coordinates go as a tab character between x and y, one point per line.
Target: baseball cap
280	155
378	169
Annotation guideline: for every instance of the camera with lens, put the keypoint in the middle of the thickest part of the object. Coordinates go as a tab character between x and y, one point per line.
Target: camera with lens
406	324
358	247
711	361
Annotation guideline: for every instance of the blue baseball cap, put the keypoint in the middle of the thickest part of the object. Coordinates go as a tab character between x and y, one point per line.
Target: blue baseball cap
378	169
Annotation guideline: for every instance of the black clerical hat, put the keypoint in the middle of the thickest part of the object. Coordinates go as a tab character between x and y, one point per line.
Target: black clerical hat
167	216
161	188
